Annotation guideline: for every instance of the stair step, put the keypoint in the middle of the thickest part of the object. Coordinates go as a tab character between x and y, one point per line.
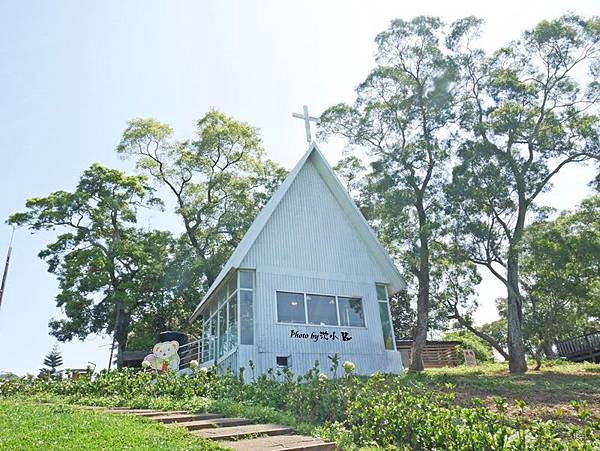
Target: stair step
182	417
281	443
130	410
239	432
140	413
215	423
158	413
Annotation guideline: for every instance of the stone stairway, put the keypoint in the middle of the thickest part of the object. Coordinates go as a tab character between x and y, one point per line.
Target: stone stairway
239	434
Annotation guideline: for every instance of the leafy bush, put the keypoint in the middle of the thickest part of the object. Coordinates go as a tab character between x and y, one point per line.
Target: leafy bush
385	411
483	351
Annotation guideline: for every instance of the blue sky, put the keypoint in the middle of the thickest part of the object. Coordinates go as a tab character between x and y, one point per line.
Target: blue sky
72	73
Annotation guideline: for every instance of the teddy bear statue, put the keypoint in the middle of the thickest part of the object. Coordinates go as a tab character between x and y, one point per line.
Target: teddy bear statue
164	356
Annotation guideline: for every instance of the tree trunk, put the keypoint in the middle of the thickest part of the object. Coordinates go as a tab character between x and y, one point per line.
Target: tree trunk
548	349
493	343
537	354
517	363
420	338
121	327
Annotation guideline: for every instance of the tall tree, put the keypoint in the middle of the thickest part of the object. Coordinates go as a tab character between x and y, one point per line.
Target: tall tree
107	269
219	180
530	109
353	174
561	276
53	360
403	115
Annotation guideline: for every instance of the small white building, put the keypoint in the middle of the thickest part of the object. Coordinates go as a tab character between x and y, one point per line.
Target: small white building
308	280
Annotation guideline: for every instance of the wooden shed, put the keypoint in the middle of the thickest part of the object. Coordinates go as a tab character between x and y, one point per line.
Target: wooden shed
437	354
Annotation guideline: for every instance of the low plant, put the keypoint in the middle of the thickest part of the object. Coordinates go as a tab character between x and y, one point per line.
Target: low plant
390	412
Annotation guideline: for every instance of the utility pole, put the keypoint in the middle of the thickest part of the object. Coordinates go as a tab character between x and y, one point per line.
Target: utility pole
6	266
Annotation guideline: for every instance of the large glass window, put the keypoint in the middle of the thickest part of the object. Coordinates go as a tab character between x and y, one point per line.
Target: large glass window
246	318
212	337
321	310
223	345
231	286
351	312
381	293
220	327
290	308
384	314
206	342
246	279
232	327
246	296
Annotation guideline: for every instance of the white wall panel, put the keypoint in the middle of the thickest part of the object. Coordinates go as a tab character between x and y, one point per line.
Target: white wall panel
309	245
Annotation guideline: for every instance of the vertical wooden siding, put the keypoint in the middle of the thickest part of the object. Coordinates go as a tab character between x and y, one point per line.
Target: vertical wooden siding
309	245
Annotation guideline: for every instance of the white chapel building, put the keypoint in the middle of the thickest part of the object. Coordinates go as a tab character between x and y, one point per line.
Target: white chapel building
308	280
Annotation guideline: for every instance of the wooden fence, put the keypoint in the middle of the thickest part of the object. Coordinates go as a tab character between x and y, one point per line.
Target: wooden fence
578	349
437	354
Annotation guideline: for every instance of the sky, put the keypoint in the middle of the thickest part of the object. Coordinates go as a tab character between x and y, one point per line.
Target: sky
72	73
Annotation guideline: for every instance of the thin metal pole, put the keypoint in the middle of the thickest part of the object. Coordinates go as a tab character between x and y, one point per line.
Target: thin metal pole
6	266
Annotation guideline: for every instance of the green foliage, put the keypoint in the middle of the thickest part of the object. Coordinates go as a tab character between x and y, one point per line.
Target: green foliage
561	275
52	360
497	329
117	278
387	413
390	412
219	180
108	270
62	428
468	340
402	115
528	110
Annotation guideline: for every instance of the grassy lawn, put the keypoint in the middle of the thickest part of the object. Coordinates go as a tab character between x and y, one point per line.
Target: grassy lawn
546	391
29	426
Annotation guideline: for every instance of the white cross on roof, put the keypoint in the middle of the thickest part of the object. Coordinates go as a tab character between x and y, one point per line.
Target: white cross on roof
307	120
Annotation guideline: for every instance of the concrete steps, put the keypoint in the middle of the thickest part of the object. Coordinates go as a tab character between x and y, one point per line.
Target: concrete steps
184	417
280	443
223	423
240	434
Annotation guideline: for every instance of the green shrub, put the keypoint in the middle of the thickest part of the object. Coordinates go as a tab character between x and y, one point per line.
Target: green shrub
483	351
380	411
387	413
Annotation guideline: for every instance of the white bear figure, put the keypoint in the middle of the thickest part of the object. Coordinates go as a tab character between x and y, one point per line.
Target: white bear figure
164	356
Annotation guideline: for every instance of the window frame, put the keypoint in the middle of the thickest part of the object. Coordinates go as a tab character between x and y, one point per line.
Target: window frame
386	301
364	320
303	304
337	309
252	291
223	297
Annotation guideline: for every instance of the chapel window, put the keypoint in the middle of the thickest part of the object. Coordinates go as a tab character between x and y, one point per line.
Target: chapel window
290	308
246	297
321	310
351	312
384	314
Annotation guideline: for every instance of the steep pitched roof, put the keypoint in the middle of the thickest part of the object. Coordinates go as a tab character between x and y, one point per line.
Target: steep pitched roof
396	282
